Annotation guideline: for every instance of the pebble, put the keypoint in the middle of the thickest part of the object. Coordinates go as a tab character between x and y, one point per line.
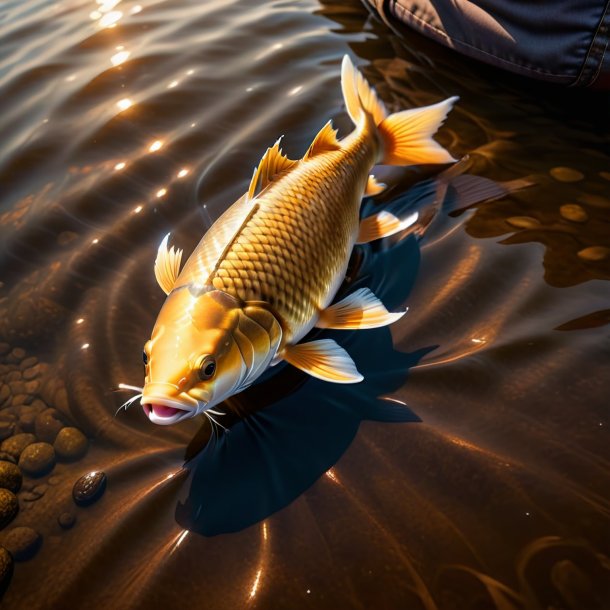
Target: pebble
26	422
566	174
70	444
31	387
66	520
10	476
6	429
6	568
89	488
16	444
60	400
9	507
594	253
17	387
22	542
5	392
523	222
19	399
37	459
47	425
13	376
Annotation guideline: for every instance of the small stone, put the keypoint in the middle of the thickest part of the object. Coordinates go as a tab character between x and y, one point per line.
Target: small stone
66	520
70	444
54	480
60	400
47	425
6	429
16	444
594	253
22	542
4	348
5	392
10	476
6	569
29	362
8	415
29	496
13	376
566	174
9	507
19	399
574	212
89	488
38	406
17	387
37	459
523	222
32	373
7	457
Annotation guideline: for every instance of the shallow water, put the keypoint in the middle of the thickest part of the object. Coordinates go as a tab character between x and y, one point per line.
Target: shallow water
119	123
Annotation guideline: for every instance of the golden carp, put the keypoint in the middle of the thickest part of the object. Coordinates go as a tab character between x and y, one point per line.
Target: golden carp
267	271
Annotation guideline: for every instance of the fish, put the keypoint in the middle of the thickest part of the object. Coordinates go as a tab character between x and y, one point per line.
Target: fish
268	270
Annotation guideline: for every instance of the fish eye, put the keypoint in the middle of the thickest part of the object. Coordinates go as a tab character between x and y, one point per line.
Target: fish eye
144	357
207	368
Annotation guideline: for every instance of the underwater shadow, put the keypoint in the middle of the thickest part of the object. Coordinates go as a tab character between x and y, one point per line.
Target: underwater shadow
289	429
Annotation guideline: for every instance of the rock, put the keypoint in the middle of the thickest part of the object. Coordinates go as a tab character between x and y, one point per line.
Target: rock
13	376
19	399
4	348
29	362
6	429
10	476
22	542
16	356
37	459
70	444
66	520
594	253
9	507
523	222
6	569
566	174
89	488
47	425
16	444
38	406
17	387
5	392
60	400
7	457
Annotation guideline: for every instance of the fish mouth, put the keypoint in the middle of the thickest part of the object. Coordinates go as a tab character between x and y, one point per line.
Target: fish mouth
164	411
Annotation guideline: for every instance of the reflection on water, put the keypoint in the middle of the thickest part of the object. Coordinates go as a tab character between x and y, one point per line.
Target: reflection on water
122	122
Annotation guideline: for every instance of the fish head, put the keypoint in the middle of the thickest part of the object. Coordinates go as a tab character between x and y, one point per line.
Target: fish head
205	347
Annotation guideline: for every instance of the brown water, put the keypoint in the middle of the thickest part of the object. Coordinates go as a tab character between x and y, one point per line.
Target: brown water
323	497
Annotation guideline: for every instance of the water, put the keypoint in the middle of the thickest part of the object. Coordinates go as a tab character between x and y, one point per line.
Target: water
119	122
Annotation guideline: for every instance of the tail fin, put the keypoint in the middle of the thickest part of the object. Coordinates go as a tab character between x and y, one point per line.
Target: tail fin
406	136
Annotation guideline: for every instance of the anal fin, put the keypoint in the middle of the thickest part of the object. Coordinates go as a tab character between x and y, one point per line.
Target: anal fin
383	224
323	359
373	187
361	309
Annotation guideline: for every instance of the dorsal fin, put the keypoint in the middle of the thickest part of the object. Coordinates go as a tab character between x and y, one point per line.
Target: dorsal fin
274	162
325	140
167	265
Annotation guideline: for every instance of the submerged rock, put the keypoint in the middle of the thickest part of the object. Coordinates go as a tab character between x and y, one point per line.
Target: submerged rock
47	425
10	476
37	459
9	507
6	568
70	444
22	542
594	253
16	444
89	488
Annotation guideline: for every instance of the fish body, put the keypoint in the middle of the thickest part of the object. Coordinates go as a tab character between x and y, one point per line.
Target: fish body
269	268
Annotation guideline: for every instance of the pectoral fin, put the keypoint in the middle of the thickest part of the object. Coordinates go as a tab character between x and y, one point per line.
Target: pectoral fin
373	187
323	359
383	224
167	265
361	309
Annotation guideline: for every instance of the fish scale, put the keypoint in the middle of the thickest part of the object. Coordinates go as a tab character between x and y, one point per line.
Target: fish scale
297	243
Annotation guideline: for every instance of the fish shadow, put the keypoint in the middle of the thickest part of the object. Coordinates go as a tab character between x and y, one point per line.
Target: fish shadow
289	429
301	425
